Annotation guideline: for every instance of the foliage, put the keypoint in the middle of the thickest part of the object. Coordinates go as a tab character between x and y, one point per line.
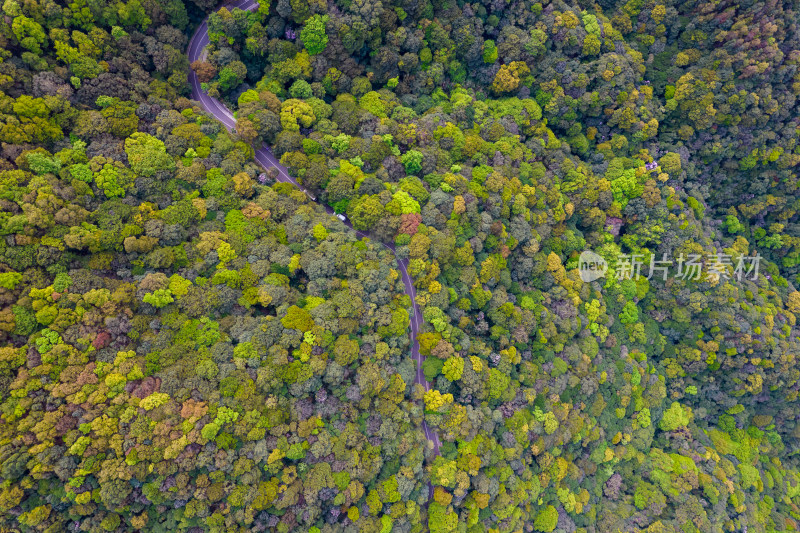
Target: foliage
147	154
186	347
313	34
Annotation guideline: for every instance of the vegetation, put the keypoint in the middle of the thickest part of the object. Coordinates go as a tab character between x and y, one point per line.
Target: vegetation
185	346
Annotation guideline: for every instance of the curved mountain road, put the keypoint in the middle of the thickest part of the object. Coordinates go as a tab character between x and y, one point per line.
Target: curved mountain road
265	157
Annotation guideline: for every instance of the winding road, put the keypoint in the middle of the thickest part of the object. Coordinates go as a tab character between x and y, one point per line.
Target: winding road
265	157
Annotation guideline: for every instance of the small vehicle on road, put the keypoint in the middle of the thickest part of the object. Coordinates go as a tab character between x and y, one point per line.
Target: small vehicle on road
340	216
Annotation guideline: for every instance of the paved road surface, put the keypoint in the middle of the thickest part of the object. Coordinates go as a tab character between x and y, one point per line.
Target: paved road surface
265	157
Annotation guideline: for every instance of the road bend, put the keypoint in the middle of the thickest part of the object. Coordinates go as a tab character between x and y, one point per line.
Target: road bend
264	156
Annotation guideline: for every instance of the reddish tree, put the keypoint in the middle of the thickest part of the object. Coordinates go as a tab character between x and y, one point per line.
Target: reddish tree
409	223
205	71
101	340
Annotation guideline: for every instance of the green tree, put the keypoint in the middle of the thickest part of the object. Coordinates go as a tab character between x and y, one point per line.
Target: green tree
147	154
120	116
489	51
591	45
159	298
453	368
133	14
296	113
676	416
300	89
412	160
440	520
41	163
546	519
108	180
297	318
29	33
629	314
232	75
313	34
671	164
320	233
365	212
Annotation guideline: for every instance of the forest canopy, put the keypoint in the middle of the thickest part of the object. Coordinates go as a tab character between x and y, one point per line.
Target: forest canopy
189	344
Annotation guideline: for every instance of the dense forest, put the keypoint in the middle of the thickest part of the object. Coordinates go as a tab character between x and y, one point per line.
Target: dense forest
189	344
